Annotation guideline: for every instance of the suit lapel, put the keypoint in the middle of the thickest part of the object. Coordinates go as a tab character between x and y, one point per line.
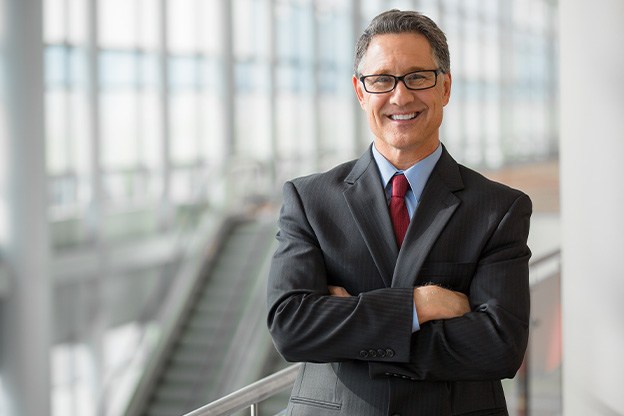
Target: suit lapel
367	203
436	207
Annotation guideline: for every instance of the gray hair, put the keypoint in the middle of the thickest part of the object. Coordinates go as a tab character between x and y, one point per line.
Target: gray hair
397	21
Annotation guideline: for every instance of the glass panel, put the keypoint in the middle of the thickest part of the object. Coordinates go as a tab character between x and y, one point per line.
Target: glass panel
77	24
471	9
182	186
336	123
118	23
58	151
119	129
151	130
67	123
56	58
209	76
183	112
452	132
490	9
72	374
243	23
62	369
334	43
455	40
210	30
491	124
65	20
54	21
184	72
212	128
400	4
453	6
370	9
148	35
183	22
472	49
474	123
490	68
430	8
119	69
252	126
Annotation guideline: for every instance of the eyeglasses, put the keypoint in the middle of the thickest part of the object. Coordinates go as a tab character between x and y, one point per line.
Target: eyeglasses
417	80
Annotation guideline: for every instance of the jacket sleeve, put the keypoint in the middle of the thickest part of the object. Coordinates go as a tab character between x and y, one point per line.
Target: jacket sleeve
309	325
490	341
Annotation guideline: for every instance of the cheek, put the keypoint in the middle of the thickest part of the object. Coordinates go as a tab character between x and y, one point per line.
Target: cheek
373	108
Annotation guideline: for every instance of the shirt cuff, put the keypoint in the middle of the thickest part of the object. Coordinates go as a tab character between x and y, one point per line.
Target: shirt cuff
415	324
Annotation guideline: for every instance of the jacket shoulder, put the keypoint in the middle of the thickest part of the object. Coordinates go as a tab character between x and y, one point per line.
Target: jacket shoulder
479	182
334	176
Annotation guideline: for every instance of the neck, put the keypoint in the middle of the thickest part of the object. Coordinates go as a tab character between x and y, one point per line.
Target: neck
403	159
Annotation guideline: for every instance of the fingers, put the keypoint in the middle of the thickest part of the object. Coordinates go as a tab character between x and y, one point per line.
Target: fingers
434	302
338	291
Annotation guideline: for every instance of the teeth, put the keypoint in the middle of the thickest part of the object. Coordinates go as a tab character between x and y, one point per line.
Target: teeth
403	116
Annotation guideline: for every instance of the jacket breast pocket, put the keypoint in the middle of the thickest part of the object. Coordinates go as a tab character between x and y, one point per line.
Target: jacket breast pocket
314	392
454	276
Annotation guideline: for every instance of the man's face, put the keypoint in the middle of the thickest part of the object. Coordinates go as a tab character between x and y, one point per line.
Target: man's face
405	122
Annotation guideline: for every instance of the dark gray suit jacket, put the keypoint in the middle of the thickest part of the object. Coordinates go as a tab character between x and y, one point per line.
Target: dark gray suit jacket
468	234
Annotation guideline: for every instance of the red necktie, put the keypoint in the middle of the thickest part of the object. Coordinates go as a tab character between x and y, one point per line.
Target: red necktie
398	209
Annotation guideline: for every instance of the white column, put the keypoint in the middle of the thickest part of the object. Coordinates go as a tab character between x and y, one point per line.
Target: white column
228	91
361	135
166	207
26	314
592	200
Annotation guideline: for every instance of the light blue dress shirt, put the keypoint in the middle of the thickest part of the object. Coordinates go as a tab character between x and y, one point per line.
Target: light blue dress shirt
417	176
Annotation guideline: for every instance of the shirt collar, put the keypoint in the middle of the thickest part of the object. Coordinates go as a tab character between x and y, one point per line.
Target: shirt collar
417	174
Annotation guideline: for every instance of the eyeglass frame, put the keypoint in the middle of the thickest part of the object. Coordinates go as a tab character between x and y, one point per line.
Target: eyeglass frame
401	78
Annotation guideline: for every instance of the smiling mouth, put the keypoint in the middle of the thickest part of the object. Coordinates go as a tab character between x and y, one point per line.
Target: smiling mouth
403	117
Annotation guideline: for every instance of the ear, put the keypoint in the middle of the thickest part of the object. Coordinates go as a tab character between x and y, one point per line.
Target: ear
359	91
446	85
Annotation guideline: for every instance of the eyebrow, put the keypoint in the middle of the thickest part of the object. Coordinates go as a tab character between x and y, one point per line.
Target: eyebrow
408	71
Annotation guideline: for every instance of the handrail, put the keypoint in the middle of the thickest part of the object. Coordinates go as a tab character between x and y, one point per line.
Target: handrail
250	395
4	279
546	257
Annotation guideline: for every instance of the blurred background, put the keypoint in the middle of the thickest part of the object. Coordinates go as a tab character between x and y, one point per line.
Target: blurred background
143	145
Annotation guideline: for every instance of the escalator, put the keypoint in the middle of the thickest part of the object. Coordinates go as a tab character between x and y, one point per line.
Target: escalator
220	342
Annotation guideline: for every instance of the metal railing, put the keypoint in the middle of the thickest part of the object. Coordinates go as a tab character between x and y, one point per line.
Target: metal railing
251	395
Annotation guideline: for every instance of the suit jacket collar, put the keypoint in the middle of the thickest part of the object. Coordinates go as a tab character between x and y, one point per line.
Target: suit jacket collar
367	202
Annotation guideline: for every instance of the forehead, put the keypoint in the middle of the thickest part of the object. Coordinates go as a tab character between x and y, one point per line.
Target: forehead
401	52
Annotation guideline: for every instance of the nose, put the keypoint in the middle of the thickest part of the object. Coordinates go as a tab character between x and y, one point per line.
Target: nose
401	95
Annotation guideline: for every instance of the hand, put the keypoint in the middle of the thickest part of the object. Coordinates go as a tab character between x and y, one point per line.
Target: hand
338	291
435	302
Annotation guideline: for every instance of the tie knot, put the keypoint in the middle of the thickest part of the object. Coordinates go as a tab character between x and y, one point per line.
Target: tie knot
399	185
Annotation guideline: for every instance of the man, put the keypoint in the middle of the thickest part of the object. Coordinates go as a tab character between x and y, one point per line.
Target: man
387	321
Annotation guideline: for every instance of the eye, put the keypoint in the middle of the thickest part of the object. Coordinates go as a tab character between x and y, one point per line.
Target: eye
379	83
420	80
416	77
382	79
